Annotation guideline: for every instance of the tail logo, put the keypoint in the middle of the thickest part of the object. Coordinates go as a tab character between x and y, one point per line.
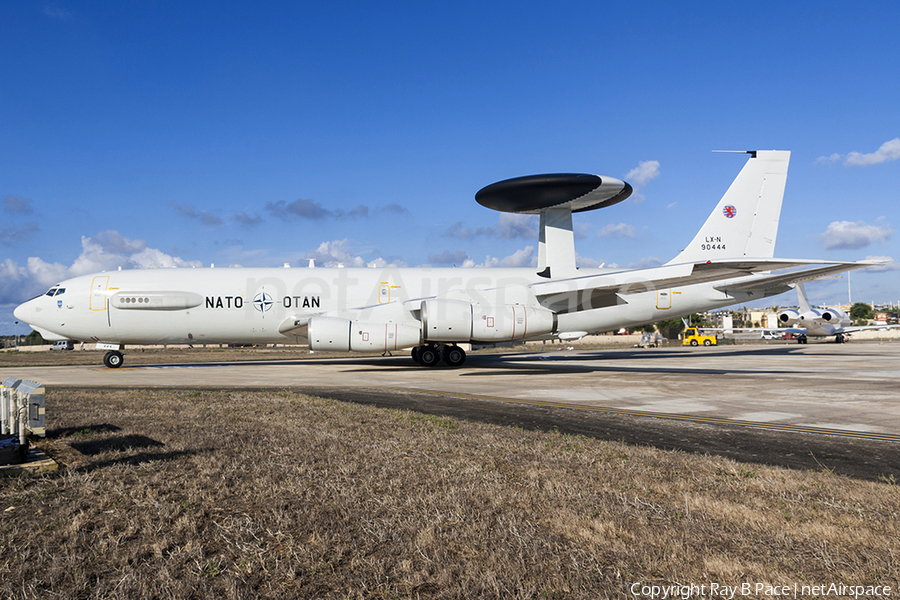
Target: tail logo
729	211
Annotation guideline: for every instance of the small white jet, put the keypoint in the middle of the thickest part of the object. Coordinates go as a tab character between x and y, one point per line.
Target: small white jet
433	310
819	322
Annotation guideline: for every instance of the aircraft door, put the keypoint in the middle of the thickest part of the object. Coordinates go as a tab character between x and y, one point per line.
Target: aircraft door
664	299
384	293
98	292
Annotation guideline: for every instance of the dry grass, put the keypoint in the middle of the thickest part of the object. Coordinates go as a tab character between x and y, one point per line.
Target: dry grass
189	494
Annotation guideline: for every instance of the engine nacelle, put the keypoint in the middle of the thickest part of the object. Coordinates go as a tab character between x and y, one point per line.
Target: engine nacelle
833	315
813	315
510	322
458	321
329	333
344	335
788	317
383	336
446	320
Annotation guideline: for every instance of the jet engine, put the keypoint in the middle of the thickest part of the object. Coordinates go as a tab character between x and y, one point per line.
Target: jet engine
342	335
827	315
788	317
834	315
460	321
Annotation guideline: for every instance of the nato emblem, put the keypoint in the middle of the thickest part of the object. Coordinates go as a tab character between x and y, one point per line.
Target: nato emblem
263	302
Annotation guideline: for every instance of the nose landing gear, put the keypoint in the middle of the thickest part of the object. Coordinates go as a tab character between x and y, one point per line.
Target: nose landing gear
113	359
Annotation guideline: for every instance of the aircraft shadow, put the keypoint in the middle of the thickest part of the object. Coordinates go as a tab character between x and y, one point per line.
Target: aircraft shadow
121	443
135	448
870	460
84	430
511	363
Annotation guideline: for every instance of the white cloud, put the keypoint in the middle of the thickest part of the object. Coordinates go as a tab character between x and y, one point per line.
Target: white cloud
619	230
641	175
644	173
337	252
106	251
890	150
331	254
520	258
584	262
890	265
645	263
511	226
848	235
829	159
11	271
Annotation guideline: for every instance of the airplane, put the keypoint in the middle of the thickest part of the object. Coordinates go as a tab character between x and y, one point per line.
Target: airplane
819	322
433	310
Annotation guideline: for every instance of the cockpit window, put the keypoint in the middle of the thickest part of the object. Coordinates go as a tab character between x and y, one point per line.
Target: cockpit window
52	291
60	291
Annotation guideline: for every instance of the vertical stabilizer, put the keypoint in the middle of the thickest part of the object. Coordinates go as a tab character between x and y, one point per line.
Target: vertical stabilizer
745	222
802	299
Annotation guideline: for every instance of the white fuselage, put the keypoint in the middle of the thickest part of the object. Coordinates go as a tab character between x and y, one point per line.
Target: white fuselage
255	306
824	322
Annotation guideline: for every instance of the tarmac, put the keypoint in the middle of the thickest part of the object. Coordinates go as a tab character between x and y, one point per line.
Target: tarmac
817	406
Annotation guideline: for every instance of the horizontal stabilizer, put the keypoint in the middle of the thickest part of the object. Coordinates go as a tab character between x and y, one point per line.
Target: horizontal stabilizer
670	276
769	281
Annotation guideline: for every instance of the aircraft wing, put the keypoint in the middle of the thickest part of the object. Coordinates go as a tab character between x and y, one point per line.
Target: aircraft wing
678	275
763	329
864	327
802	330
771	281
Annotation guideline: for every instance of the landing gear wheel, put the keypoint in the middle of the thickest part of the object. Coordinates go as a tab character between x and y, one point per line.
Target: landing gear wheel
113	359
801	339
454	356
417	354
839	338
428	356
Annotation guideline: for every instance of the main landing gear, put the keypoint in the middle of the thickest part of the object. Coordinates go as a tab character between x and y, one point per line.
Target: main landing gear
113	359
429	355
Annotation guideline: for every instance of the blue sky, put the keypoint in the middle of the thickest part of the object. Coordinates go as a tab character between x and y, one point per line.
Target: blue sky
144	134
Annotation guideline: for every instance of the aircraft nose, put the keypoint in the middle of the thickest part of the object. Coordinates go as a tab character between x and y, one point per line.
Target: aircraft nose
23	312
